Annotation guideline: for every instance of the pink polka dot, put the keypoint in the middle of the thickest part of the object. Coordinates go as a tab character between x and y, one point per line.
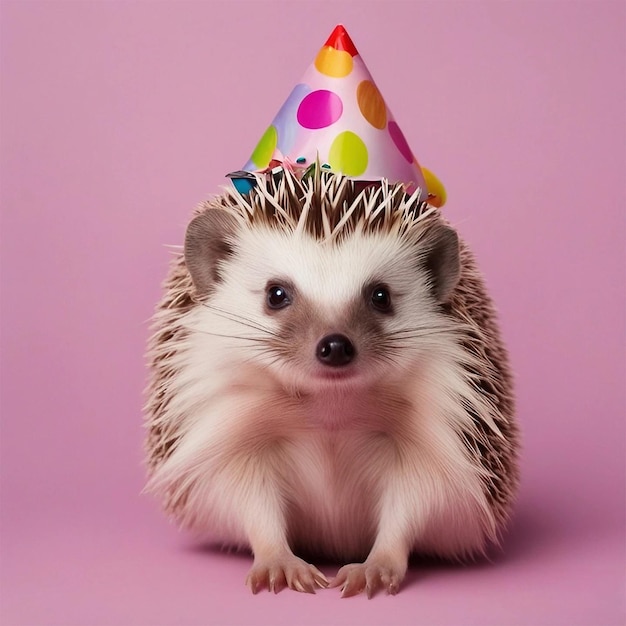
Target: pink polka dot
320	109
400	141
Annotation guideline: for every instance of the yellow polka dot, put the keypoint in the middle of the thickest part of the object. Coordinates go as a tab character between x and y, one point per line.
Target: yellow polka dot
435	188
334	63
348	154
371	104
265	148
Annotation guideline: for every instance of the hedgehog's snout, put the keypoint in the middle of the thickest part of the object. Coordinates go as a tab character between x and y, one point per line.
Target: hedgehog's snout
335	350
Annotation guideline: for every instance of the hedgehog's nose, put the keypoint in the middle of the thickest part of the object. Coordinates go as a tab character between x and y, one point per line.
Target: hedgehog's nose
335	350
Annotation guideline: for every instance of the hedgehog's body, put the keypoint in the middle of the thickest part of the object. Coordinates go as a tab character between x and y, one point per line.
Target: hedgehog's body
328	378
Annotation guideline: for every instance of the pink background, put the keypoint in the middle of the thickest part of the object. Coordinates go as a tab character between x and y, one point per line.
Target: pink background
117	117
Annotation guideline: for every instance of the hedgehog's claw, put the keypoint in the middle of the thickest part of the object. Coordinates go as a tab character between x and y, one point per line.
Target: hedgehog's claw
289	571
370	577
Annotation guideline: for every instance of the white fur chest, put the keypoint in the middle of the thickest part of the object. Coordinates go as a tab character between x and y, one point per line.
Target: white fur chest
333	491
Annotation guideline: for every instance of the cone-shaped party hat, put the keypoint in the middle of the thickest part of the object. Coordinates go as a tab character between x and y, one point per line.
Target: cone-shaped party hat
336	116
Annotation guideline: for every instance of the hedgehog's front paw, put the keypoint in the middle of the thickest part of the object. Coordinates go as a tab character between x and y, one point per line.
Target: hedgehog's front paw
372	576
274	574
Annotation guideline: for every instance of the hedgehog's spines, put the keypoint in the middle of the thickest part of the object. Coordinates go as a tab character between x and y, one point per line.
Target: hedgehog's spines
331	207
325	205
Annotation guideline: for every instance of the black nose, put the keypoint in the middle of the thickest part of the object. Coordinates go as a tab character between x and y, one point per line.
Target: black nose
335	350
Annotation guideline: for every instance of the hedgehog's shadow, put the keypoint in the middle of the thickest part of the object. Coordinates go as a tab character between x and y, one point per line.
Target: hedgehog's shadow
527	533
533	530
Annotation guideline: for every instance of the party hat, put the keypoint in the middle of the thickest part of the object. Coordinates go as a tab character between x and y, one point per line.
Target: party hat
337	116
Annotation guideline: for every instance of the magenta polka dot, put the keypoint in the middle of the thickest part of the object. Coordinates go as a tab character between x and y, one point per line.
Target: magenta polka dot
320	109
400	141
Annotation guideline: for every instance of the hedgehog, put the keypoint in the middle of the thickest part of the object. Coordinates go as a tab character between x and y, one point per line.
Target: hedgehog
328	380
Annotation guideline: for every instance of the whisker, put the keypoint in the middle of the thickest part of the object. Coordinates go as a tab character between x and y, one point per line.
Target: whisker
416	330
239	319
262	353
241	337
416	335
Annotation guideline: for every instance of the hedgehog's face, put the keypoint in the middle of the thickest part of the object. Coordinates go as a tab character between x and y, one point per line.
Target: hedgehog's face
321	315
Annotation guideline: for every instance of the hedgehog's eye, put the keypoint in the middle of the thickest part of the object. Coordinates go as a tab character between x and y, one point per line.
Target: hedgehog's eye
381	300
277	297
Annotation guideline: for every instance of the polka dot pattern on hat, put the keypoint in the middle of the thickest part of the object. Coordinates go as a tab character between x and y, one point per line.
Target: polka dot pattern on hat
348	154
320	109
336	115
333	63
371	104
265	148
400	141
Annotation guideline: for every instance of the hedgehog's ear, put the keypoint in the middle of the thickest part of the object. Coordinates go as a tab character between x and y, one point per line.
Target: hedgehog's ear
441	260
208	242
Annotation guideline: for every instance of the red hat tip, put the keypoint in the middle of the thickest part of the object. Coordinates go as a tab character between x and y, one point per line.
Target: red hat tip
340	40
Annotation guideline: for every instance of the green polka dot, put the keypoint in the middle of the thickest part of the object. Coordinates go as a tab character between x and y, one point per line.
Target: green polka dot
348	154
264	150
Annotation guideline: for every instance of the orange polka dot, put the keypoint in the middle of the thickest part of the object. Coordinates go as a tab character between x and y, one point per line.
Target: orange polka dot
333	63
371	104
